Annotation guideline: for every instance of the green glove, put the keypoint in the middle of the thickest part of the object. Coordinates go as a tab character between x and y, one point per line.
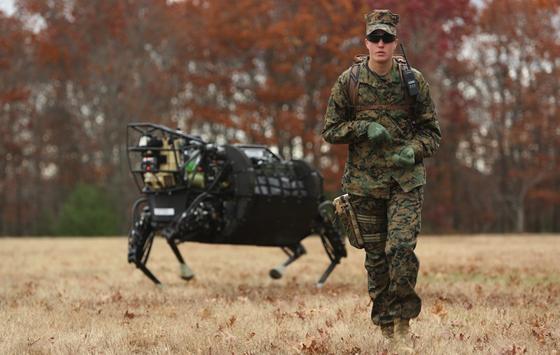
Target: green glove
377	133
405	158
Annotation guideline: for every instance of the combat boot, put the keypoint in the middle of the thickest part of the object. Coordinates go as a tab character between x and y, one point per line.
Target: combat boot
388	330
403	340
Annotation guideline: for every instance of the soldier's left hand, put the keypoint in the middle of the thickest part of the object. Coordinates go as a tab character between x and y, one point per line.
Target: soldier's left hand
405	158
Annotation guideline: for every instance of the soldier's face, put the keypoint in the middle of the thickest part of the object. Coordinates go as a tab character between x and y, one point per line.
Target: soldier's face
379	50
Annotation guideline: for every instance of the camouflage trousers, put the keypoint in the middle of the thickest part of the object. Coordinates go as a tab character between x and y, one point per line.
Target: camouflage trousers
390	228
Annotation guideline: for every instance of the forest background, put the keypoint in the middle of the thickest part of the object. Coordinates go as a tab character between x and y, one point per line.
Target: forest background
73	73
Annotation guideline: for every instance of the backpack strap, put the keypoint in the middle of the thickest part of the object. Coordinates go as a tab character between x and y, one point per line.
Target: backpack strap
353	83
354	80
409	101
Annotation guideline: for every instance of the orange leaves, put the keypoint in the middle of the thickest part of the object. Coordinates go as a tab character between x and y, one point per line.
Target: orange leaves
514	350
270	66
283	68
546	4
439	310
520	114
540	330
206	313
314	346
13	95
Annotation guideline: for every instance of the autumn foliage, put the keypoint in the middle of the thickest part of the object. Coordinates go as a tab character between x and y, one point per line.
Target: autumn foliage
74	73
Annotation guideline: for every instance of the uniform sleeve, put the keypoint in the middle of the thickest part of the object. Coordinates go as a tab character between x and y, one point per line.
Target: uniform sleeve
427	137
340	127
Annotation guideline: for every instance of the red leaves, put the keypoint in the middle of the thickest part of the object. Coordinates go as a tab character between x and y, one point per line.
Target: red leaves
514	350
314	346
116	297
265	68
14	95
540	330
300	314
129	315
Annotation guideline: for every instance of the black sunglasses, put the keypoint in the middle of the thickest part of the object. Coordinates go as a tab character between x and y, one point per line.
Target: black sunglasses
386	37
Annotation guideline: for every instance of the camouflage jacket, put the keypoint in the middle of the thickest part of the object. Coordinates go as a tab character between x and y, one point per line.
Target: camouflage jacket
369	170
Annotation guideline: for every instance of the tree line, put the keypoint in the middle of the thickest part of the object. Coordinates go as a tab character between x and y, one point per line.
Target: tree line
73	73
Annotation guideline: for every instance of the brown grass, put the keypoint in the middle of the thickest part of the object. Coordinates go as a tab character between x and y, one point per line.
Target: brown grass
481	294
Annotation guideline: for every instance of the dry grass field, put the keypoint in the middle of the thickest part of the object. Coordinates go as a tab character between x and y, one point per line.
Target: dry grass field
482	294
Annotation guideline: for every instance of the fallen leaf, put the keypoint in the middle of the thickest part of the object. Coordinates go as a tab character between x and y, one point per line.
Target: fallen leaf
129	315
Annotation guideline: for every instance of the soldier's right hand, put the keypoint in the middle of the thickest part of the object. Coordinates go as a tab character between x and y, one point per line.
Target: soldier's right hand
378	134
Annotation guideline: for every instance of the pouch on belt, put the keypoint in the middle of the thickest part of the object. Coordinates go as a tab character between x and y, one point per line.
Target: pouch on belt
348	219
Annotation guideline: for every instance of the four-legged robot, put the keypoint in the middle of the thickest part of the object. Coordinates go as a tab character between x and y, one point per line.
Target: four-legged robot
224	194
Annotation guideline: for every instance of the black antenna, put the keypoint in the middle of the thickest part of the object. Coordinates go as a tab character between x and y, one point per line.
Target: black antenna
409	77
404	55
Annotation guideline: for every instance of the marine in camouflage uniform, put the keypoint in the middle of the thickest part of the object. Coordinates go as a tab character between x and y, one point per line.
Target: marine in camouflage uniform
389	134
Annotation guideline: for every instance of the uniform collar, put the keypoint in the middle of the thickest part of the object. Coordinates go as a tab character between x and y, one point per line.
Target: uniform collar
369	77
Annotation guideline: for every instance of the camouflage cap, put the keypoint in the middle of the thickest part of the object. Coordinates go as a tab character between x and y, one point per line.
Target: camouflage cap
382	20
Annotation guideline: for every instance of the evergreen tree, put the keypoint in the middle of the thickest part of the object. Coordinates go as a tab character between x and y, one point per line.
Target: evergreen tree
88	211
